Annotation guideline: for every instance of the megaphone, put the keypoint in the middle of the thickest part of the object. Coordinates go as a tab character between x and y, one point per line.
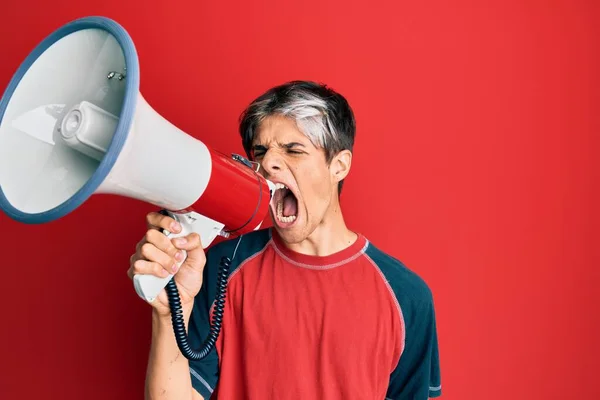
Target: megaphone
73	123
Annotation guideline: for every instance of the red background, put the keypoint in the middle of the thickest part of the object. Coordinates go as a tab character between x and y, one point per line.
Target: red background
476	159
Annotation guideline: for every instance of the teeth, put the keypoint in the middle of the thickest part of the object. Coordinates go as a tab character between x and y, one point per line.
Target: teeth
280	216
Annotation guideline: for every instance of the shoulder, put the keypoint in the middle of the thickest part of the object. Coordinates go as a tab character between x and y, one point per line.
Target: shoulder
239	249
228	255
410	289
417	372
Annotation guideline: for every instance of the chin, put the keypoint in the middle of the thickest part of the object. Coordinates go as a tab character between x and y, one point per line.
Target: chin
290	232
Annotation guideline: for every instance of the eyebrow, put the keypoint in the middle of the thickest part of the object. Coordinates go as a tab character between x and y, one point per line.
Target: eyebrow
284	145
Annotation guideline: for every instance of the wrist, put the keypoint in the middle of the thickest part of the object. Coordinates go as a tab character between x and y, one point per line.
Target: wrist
163	316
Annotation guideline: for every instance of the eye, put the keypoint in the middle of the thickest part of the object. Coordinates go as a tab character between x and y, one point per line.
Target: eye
294	152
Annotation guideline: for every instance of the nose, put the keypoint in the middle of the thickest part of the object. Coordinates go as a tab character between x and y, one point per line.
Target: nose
272	163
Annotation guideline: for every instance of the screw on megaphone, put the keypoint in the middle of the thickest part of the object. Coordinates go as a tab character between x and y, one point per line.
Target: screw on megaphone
119	76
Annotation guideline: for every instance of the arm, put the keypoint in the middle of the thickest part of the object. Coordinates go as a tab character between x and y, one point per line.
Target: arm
168	373
417	375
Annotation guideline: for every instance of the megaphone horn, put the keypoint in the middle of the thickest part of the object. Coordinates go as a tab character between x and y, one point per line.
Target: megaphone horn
73	123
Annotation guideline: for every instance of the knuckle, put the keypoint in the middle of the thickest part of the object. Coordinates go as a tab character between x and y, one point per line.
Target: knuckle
150	235
137	267
169	257
157	269
160	241
150	217
169	261
146	249
194	239
171	250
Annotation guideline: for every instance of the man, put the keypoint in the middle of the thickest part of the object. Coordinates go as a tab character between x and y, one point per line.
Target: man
313	310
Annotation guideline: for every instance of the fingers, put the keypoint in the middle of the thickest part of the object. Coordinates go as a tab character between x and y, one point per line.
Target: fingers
161	242
151	253
196	258
144	267
151	260
159	255
156	250
189	242
157	220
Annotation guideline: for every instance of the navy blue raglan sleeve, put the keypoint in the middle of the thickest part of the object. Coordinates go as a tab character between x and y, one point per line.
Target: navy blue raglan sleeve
417	375
205	372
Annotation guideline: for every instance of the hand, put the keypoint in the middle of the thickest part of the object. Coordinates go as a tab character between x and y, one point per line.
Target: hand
158	255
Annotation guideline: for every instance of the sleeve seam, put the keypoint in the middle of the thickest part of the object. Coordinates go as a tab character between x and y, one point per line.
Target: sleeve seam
200	379
396	302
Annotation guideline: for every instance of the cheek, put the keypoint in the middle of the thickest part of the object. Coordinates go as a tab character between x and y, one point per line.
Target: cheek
315	186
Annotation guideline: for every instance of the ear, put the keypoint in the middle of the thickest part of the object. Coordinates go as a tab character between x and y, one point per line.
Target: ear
340	165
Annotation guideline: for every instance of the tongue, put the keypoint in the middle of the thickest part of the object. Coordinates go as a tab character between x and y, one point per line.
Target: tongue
290	205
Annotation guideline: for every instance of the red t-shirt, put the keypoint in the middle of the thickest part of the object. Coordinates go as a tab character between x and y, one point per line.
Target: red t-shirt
356	324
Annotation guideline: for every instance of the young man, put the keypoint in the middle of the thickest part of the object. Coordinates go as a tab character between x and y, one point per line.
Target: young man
313	310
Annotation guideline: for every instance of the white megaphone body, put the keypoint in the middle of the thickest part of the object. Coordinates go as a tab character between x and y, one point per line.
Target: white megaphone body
73	123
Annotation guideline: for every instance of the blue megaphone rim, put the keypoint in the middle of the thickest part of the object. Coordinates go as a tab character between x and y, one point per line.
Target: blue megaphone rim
132	82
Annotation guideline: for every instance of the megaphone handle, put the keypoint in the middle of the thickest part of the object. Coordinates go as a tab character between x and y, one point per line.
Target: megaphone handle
148	287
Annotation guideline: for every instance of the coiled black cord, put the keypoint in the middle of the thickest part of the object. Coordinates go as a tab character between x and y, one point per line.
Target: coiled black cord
215	327
179	330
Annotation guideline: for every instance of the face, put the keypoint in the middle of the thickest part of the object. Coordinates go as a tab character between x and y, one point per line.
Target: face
308	194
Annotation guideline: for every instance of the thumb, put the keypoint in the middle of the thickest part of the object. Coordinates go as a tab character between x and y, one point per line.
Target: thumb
195	252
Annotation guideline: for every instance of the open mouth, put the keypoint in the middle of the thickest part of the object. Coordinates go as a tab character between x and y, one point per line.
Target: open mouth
284	204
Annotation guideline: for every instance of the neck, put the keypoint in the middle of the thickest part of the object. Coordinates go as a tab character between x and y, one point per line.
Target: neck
331	236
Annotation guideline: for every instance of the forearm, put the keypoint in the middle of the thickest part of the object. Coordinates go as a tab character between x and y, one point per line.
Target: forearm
168	374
